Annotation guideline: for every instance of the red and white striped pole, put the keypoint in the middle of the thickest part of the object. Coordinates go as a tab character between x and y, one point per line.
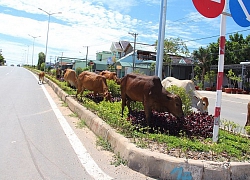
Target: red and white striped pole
220	76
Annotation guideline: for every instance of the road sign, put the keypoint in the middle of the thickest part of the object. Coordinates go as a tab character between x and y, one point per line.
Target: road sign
209	8
240	11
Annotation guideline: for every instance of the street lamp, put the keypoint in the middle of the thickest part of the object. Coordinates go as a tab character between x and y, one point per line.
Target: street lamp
50	14
28	55
34	37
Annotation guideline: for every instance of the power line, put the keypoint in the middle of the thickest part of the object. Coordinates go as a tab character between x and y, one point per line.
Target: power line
216	36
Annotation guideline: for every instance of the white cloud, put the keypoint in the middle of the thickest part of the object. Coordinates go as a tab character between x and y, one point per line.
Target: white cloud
84	25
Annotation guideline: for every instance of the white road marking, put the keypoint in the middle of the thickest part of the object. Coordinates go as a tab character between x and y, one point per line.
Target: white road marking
88	163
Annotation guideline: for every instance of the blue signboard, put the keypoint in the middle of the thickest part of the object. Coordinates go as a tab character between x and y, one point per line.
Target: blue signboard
240	11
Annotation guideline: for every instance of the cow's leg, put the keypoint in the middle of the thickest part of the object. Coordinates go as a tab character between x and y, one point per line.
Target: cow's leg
128	104
78	91
123	102
82	93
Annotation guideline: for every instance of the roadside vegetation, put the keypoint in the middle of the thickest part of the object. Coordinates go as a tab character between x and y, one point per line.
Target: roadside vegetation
232	145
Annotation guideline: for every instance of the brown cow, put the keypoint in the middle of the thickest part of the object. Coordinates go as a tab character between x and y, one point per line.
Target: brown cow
248	114
93	82
41	77
70	77
58	73
111	76
149	91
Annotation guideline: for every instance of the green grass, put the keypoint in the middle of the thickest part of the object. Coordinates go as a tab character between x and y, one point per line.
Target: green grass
81	124
104	144
73	115
117	160
233	146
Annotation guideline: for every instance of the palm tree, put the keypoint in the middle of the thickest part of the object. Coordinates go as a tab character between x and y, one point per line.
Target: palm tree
204	56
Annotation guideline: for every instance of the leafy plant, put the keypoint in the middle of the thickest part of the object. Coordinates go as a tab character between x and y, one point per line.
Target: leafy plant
81	124
210	77
79	70
118	160
231	75
247	128
73	115
104	144
114	88
185	98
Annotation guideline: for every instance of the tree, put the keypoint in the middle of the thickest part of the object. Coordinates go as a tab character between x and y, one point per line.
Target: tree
210	77
173	46
1	59
204	56
214	52
41	59
235	49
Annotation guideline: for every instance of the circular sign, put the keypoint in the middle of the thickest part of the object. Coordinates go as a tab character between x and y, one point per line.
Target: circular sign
209	8
240	11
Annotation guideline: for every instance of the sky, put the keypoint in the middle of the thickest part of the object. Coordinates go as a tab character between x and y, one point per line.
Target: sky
96	24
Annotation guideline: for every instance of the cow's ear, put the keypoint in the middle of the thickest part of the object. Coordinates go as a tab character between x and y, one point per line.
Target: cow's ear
196	97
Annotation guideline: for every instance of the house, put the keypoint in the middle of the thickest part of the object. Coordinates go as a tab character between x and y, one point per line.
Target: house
121	49
72	63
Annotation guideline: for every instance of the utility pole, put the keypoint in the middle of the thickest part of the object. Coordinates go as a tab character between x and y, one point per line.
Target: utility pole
87	55
61	60
134	35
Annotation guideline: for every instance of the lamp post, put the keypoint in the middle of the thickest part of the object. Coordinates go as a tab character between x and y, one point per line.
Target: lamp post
34	37
50	14
28	55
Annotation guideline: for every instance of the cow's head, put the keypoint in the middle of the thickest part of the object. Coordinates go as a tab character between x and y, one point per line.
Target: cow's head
174	105
107	96
202	104
118	81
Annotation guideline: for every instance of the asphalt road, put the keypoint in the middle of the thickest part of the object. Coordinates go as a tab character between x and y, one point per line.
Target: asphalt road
233	106
40	140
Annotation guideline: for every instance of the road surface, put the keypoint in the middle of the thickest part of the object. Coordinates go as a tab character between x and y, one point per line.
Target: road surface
40	140
233	106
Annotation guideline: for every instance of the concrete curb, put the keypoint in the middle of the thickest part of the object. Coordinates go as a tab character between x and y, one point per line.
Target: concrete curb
155	164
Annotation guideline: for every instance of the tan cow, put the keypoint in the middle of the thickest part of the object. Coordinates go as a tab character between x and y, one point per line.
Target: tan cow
198	102
70	77
93	82
248	115
111	76
41	77
149	91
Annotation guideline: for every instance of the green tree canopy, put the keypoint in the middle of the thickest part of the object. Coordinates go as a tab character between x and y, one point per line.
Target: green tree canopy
204	56
173	46
41	59
1	59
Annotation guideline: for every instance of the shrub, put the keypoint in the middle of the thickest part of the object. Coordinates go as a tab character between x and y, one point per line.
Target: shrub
79	70
53	72
114	88
185	98
247	128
